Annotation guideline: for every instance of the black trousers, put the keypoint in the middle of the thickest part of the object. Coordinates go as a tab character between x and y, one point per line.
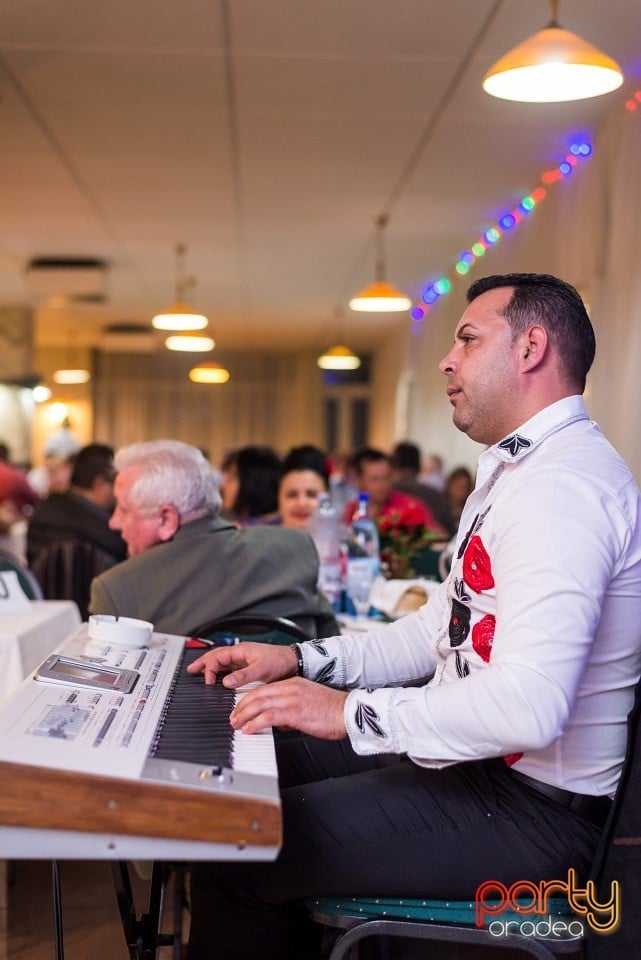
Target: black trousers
380	826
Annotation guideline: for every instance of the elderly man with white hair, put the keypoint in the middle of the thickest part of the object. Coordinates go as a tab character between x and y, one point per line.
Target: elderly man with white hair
188	566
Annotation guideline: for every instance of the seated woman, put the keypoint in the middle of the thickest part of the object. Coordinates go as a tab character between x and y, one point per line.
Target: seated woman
458	487
249	486
304	476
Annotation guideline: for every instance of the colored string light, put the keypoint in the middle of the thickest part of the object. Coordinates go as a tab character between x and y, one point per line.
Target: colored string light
634	101
508	221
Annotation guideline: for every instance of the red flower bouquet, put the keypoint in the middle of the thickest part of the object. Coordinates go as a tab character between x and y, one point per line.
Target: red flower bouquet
401	535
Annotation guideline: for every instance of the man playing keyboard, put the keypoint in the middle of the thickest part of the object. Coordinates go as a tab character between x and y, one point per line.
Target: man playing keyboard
501	767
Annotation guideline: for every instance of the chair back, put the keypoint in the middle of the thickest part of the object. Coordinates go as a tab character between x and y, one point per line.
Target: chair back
66	568
261	628
618	859
28	583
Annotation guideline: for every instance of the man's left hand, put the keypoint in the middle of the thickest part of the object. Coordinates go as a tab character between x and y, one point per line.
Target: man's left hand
294	704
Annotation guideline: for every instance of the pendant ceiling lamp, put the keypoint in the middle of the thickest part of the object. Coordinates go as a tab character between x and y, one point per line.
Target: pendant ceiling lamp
209	373
339	358
380	296
190	343
71	375
180	315
551	66
72	372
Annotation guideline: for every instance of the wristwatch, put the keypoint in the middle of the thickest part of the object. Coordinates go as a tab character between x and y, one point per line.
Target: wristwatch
300	671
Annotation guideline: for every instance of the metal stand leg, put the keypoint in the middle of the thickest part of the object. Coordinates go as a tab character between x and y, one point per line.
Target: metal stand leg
142	934
180	898
57	910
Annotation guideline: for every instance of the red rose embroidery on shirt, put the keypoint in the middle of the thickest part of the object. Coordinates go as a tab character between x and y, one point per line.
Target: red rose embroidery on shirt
512	758
477	569
483	635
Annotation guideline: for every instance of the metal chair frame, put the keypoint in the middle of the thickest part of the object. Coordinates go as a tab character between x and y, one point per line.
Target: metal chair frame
256	625
26	579
622	820
356	929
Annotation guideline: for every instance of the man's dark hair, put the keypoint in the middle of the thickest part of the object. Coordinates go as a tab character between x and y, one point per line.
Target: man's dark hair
407	456
367	455
556	305
306	457
94	460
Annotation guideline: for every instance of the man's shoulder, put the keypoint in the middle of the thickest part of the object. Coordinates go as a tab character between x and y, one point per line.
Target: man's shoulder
130	571
216	530
212	538
273	537
272	532
572	473
54	505
415	488
582	450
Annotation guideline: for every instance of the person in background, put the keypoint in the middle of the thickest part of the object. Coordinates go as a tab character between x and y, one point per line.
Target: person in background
406	466
432	471
458	487
17	497
373	470
508	756
342	488
304	476
249	485
82	512
54	476
17	501
187	565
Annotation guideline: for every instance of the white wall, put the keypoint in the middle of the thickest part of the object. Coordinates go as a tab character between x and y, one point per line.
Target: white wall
587	231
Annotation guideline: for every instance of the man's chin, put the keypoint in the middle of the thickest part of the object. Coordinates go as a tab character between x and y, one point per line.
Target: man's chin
459	422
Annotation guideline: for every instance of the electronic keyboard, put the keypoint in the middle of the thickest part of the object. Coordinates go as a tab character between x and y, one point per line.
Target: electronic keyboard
154	774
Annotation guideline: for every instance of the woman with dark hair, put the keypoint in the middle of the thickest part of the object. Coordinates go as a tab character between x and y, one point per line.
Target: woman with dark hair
458	487
304	476
249	485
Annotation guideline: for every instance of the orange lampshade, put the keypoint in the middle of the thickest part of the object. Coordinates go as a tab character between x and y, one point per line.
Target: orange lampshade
338	358
380	297
552	65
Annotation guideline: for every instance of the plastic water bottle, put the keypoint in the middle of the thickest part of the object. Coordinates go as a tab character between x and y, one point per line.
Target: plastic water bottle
325	531
362	557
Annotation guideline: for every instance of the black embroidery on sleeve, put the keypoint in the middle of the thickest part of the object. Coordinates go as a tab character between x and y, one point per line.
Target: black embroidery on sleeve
327	672
367	716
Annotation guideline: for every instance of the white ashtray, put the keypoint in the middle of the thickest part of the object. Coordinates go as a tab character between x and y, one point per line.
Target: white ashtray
124	631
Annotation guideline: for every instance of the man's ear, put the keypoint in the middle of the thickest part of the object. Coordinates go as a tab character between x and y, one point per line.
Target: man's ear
168	522
533	347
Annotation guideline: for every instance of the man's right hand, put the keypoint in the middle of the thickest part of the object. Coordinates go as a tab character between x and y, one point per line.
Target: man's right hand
248	662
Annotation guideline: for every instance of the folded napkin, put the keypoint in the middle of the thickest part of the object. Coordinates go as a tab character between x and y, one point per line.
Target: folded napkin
395	598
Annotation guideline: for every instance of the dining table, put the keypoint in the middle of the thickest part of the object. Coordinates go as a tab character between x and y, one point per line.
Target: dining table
27	636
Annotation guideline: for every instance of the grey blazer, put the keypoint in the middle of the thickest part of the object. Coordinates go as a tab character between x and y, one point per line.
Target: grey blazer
211	569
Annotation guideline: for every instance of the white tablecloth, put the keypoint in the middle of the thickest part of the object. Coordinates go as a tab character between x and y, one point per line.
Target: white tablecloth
27	638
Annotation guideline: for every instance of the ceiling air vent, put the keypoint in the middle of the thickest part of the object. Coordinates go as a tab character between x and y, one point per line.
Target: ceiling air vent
127	338
72	279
